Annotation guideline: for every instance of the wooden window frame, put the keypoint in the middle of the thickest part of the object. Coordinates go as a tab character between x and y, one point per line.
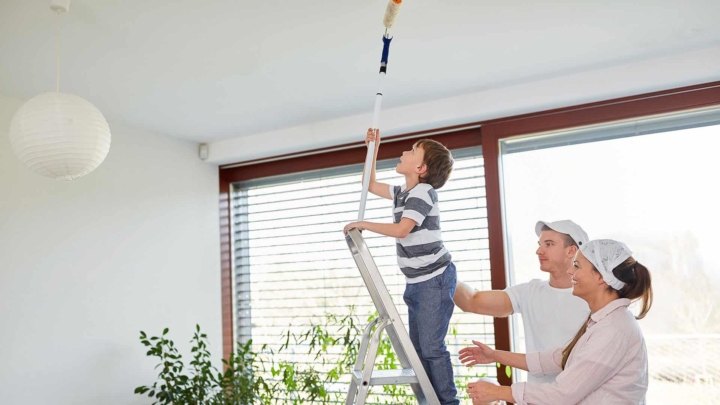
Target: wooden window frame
487	134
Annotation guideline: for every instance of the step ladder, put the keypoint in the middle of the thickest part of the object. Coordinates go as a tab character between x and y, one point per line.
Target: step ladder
363	375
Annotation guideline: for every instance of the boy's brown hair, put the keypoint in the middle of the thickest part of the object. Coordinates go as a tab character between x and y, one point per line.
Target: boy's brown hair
438	160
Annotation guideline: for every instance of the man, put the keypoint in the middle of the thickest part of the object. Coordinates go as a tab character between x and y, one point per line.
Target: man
551	315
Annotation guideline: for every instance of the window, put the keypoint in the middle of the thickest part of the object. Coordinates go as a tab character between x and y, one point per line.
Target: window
293	265
650	183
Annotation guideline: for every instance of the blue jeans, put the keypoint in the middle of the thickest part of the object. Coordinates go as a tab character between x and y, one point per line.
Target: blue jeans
430	306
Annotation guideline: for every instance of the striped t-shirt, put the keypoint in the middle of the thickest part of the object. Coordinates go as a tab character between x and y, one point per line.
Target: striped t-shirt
421	254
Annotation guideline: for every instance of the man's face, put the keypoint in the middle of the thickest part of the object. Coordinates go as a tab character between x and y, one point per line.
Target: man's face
552	252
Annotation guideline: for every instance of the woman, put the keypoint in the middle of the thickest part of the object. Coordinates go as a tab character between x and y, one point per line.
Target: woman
606	362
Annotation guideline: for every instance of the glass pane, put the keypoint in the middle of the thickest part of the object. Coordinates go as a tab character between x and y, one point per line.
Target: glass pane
657	193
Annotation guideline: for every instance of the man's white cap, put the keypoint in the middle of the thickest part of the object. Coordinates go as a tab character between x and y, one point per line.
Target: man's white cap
567	227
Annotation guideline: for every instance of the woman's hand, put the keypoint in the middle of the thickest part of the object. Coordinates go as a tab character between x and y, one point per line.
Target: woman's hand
482	392
481	354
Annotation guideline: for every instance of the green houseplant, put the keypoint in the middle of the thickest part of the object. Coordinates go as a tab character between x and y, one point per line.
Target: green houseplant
262	378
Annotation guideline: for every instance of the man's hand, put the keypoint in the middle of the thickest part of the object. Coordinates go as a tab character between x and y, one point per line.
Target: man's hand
482	354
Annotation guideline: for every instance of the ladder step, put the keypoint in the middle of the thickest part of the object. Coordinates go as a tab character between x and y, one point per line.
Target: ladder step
388	377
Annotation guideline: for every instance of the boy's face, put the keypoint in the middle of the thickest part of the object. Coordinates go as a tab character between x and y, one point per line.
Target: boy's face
411	162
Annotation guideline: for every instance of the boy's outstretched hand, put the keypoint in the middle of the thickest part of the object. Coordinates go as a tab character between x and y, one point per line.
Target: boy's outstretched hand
481	354
372	135
358	225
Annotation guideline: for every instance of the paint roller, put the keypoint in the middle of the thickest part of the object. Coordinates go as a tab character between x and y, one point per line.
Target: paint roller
391	15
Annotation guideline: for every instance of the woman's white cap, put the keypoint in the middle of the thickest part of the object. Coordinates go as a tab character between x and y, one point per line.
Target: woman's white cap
605	255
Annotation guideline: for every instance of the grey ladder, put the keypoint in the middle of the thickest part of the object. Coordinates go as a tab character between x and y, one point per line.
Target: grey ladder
363	375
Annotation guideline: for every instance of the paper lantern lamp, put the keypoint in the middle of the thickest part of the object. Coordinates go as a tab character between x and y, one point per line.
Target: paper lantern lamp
60	135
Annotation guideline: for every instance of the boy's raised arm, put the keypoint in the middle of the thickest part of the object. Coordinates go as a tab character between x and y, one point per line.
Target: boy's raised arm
377	188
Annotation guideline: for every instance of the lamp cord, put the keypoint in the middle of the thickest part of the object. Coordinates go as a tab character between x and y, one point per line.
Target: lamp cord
57	71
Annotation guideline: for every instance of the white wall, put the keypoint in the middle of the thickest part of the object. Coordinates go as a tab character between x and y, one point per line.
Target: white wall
85	265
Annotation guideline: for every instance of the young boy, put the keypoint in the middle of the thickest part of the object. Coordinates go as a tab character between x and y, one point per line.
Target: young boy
422	257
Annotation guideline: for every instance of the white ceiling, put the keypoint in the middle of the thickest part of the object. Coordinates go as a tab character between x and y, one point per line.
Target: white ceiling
209	70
